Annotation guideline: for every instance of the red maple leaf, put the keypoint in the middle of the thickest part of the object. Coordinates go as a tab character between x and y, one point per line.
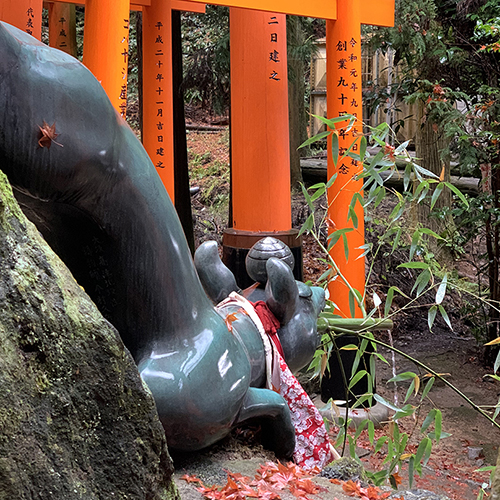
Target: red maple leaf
211	493
48	135
191	479
389	150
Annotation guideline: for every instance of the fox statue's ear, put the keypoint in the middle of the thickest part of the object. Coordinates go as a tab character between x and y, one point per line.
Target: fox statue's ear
217	280
281	290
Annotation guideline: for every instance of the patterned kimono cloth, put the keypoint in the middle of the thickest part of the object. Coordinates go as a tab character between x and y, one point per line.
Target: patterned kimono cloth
312	444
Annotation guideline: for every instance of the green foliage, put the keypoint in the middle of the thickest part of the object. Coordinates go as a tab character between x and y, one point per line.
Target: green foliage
206	58
429	281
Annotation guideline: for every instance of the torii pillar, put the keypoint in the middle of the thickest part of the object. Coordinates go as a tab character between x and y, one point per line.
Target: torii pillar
157	97
344	96
158	132
62	27
105	47
260	157
23	14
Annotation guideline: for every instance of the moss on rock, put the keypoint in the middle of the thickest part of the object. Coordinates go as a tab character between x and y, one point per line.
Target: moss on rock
75	419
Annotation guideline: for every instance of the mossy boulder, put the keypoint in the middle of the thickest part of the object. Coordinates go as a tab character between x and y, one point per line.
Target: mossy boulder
76	421
344	469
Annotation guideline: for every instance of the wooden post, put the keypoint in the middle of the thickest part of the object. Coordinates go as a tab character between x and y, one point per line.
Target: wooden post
23	14
105	47
260	155
259	121
343	45
157	94
62	27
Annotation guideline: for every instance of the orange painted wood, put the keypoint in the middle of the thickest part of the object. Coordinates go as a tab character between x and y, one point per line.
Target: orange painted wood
157	94
343	45
62	27
105	47
23	14
259	121
321	9
379	13
183	5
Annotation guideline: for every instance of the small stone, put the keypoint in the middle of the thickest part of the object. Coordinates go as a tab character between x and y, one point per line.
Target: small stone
263	250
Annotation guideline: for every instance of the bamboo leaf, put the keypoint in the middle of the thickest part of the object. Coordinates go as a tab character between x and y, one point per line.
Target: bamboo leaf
497	363
410	390
362	148
330	122
352	307
308	224
441	290
422	281
430	232
411	471
382	401
431	316
380	190
427	454
335	147
332	179
319	192
401	147
346	247
494	342
417	384
414	241
353	216
428	387
437	425
428	420
402	376
436	193
421	170
388	301
414	265
350	347
315	138
307	196
422	447
445	316
407	177
396	239
459	193
359	375
380	442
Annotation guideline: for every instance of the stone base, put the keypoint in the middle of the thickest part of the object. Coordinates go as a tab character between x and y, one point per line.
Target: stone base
378	413
236	245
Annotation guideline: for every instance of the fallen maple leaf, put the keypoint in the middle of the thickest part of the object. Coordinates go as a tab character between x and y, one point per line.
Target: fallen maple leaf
397	478
230	318
351	488
211	493
191	479
48	135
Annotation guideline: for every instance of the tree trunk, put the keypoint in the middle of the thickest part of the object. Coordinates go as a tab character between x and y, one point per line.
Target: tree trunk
430	142
493	251
296	95
495	483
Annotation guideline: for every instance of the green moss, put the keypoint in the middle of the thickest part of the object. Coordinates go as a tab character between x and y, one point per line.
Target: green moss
343	469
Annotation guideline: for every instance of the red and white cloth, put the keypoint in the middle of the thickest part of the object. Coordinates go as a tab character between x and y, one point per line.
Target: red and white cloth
312	444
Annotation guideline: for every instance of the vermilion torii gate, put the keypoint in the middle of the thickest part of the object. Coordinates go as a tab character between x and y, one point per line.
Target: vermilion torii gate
260	166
